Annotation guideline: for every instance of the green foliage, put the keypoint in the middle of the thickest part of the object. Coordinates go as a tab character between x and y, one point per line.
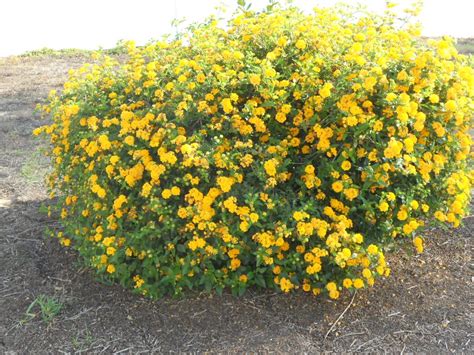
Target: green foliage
45	306
285	150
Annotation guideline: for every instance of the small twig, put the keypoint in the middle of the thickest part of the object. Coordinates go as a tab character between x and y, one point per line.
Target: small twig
351	334
252	306
405	331
199	313
80	314
403	350
58	279
339	318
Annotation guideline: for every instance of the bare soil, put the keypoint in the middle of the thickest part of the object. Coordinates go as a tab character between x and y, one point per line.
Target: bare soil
425	306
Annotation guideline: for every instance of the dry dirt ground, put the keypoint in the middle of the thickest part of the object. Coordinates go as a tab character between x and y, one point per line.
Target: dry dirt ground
423	307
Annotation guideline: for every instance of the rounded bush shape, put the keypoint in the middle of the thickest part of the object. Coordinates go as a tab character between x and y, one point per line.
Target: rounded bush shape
285	151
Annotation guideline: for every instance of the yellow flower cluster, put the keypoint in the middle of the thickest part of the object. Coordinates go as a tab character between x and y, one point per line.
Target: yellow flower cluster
283	150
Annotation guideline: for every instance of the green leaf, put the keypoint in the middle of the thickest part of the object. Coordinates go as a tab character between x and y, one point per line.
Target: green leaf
260	280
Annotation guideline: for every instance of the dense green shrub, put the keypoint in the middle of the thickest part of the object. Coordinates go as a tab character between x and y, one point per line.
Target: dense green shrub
286	150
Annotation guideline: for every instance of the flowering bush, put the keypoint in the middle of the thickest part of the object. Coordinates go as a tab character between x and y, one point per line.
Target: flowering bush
286	151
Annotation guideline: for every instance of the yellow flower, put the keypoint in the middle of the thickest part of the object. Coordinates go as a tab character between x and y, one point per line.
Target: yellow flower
138	281
352	121
351	193
298	216
37	131
402	214
372	249
166	194
243	278
337	186
434	99
325	91
254	79
200	78
233	253
282	41
200	242
367	273
440	216
378	126
270	167
227	105
309	169
119	201
246	160
244	226
358	238
110	269
451	105
418	243
286	285
300	249
254	217
225	183
175	190
346	165
192	245
182	213
347	283
280	117
101	193
130	140
146	188
383	206
300	44
369	83
331	286
358	283
235	264
391	97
